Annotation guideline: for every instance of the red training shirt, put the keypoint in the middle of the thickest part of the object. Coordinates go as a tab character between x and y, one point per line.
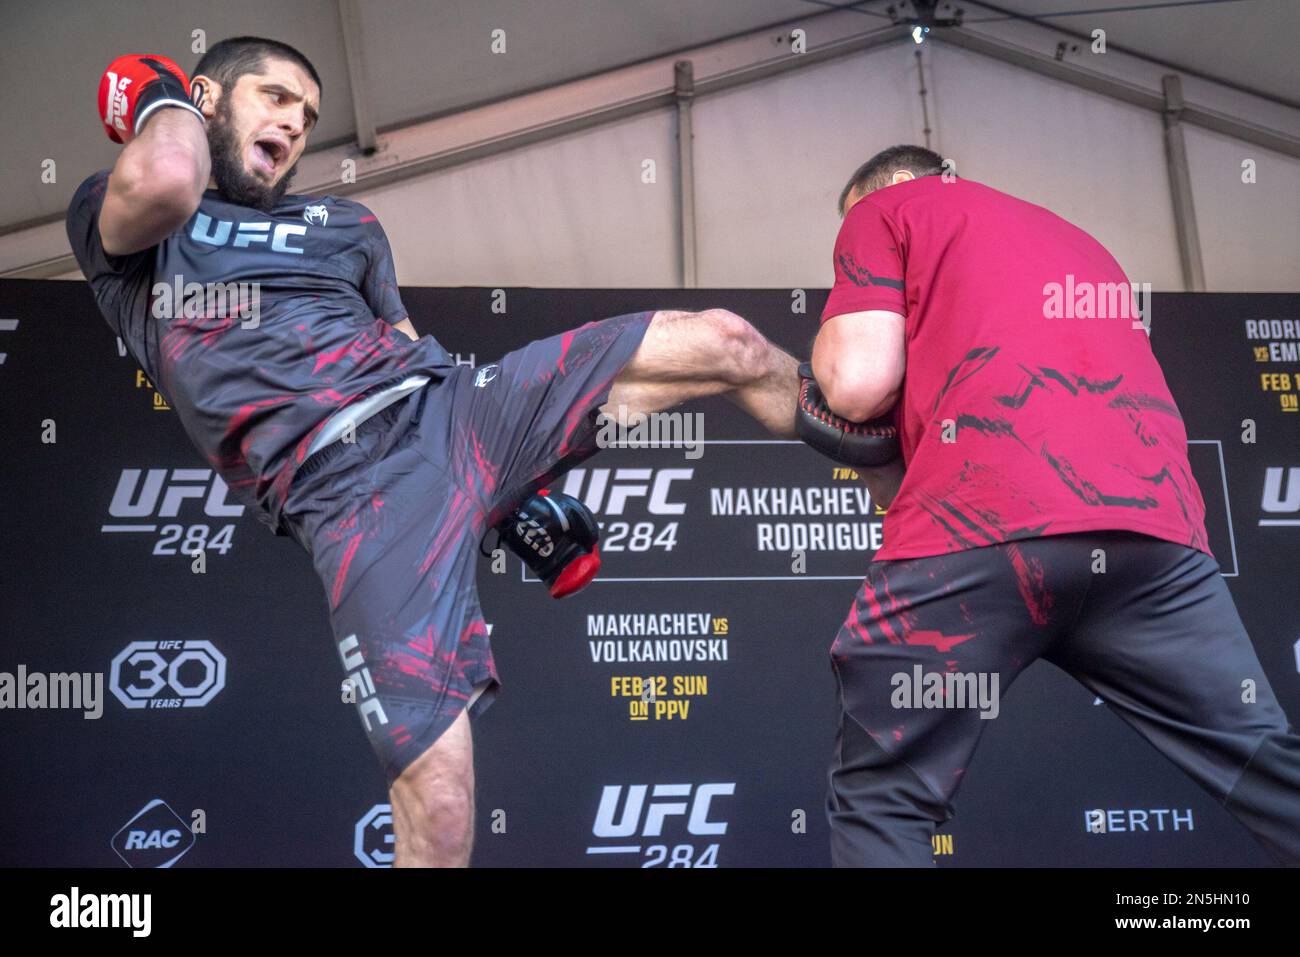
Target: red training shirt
1054	425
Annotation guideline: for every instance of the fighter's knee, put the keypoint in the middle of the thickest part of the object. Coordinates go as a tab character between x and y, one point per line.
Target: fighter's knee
438	821
433	807
741	349
723	322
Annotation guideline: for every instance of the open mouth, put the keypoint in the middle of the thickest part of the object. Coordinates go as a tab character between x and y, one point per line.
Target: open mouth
267	155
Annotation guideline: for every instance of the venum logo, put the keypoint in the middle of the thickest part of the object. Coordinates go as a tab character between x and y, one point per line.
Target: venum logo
317	215
595	490
1281	496
218	233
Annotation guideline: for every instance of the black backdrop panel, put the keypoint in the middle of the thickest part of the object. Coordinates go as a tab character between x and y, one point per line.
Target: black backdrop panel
223	740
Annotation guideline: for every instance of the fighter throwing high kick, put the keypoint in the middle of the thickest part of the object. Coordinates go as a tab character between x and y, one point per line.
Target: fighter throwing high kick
337	425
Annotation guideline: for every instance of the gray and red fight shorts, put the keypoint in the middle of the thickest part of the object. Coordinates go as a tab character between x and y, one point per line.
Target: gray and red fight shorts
1155	635
393	521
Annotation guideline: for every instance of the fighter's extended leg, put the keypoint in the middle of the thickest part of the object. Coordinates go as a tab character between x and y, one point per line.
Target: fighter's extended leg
689	355
433	803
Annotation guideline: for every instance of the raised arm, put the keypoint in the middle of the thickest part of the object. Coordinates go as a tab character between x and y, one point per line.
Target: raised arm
159	179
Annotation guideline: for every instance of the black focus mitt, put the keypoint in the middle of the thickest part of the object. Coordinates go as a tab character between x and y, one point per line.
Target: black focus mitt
869	444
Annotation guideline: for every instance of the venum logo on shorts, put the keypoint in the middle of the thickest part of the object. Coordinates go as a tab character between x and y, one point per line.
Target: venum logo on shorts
358	685
1281	499
317	215
167	674
143	495
372	838
485	375
675	807
156	837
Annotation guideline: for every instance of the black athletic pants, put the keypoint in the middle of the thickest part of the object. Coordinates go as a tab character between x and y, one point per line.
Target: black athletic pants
1155	635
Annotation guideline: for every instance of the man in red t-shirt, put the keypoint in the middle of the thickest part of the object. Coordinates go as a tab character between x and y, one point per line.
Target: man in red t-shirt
1043	506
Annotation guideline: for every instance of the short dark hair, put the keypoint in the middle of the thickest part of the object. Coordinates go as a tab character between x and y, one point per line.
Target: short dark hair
876	172
230	59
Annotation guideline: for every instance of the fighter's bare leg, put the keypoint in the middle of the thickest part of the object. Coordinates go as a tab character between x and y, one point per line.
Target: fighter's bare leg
689	355
433	803
683	356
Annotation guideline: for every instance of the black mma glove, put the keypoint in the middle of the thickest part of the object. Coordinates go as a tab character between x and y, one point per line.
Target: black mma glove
557	537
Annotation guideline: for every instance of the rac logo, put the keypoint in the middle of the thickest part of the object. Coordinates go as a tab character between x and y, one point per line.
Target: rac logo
217	232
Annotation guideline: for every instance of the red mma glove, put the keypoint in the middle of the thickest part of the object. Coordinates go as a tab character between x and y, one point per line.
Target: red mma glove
134	87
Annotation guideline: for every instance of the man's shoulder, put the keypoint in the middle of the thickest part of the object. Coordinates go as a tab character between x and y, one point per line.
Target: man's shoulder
965	194
97	178
81	222
329	209
925	190
92	188
941	198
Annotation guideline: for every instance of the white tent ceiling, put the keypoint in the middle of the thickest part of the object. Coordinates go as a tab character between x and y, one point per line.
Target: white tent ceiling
427	59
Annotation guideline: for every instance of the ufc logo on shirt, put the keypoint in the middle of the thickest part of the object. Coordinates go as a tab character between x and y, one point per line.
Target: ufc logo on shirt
246	234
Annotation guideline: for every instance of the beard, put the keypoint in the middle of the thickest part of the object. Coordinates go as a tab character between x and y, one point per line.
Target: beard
235	184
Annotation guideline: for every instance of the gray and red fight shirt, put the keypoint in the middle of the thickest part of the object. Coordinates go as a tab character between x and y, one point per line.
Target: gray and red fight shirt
252	387
1013	424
